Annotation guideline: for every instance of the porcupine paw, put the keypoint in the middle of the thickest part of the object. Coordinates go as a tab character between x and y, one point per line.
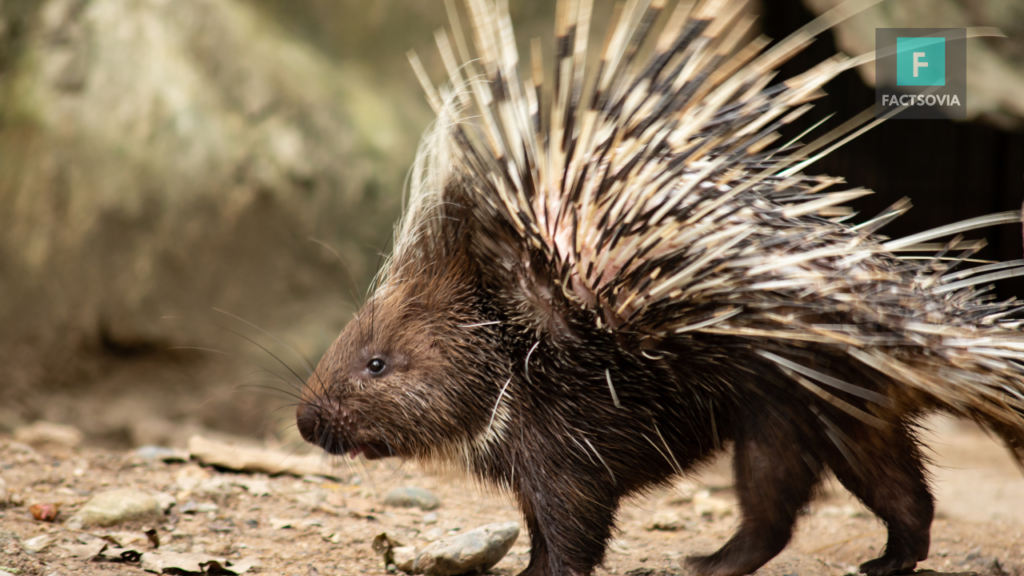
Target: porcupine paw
701	565
716	564
888	565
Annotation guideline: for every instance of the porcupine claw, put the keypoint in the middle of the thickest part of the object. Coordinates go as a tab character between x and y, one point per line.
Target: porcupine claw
885	566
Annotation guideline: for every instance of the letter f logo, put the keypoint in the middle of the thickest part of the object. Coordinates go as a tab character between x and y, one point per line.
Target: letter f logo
918	63
921	61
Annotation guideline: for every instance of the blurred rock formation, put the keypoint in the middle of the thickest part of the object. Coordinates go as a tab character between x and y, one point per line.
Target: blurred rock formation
162	158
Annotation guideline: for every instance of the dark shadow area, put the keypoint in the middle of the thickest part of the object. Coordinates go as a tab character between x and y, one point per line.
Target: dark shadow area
951	171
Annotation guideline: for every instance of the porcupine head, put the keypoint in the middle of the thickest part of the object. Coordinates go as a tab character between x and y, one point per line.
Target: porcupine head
595	284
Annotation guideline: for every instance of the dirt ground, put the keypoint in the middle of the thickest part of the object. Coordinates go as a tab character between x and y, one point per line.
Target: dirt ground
315	526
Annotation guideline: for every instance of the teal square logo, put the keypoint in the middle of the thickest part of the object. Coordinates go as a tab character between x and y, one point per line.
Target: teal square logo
921	61
921	73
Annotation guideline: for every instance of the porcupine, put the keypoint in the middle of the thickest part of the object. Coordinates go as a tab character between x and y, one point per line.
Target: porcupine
595	289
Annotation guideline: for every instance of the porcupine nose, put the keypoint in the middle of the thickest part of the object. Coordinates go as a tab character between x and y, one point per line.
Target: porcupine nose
323	423
309	419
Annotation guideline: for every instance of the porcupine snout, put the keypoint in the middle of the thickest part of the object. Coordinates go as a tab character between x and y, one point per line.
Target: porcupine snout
325	423
323	420
333	424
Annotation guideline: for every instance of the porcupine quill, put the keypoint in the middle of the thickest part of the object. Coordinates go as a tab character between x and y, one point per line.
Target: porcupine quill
598	284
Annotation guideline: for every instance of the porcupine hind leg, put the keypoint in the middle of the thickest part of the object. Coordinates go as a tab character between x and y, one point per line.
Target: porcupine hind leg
887	475
773	482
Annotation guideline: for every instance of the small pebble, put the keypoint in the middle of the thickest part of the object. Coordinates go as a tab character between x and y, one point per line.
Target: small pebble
117	506
405	558
708	506
162	453
665	520
973	555
166	501
412	497
430	518
282	523
38	544
475	550
255	486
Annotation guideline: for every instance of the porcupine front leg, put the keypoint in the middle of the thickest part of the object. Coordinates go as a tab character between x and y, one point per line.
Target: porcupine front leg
773	482
568	535
540	559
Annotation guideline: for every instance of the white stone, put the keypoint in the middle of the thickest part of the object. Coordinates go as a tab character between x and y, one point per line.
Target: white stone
116	506
473	551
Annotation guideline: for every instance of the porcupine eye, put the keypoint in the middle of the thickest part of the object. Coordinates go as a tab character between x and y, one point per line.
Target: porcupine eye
376	366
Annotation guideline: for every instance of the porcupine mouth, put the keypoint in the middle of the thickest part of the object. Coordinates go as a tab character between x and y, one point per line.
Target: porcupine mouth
330	430
371	450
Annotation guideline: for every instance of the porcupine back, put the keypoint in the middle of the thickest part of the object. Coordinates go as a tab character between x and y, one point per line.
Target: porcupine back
654	193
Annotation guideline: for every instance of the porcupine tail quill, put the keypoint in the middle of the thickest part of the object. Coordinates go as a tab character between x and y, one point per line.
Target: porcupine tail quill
658	196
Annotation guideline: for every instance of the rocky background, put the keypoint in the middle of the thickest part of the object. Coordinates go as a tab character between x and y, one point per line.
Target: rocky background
175	173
